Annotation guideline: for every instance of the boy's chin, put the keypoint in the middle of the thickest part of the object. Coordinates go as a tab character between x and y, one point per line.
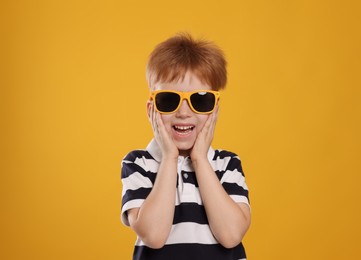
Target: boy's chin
184	150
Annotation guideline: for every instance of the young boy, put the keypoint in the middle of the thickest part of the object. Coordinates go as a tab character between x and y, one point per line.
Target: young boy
183	199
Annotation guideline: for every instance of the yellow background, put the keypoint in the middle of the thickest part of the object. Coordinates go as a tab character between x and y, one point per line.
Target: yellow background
72	101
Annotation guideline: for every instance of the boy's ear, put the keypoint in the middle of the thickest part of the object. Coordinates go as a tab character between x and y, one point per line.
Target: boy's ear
149	108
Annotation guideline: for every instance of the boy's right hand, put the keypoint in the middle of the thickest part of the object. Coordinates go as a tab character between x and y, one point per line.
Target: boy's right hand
161	135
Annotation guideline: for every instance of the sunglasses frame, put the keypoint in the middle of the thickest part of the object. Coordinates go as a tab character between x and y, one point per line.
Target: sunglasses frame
186	96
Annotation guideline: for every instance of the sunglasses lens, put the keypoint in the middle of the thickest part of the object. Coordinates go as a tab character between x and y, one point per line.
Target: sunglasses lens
167	101
203	101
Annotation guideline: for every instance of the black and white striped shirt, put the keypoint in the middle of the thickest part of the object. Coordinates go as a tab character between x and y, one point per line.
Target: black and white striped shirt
190	236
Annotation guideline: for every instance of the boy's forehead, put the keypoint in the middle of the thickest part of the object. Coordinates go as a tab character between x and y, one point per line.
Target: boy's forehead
189	82
181	87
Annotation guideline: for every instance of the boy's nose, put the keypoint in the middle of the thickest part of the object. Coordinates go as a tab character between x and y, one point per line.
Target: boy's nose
184	110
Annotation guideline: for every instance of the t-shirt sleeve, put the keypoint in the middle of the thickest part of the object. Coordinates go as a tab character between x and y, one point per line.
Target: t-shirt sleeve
137	181
233	179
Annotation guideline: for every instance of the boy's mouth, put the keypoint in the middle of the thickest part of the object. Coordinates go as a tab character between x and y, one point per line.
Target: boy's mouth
183	129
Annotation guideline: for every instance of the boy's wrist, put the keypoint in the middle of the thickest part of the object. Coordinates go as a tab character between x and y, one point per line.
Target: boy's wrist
199	160
169	157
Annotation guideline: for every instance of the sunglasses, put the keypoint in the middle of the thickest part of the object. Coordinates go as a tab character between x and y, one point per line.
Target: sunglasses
201	101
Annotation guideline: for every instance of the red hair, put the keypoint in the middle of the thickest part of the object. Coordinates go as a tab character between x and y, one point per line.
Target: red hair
173	58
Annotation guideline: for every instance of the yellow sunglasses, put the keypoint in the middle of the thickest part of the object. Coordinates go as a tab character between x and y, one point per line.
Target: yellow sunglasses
200	101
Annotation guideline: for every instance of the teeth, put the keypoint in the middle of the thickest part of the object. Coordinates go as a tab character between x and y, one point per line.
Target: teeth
183	128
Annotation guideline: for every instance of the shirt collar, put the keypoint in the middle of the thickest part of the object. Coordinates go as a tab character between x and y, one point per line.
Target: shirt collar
154	150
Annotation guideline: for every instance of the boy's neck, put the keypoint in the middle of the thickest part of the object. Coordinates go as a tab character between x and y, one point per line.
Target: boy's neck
184	153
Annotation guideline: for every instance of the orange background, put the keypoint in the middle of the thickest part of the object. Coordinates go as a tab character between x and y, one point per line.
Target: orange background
73	94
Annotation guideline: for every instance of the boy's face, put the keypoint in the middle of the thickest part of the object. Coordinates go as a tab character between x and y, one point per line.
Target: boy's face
184	124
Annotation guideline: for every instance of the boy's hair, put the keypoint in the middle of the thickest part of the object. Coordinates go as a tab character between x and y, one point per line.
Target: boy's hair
173	58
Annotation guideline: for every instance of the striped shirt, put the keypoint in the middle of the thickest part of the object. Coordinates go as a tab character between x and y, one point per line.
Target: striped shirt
190	236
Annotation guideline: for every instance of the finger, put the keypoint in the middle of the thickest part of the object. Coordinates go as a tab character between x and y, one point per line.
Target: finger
211	124
215	118
158	121
161	128
208	123
216	112
155	119
155	123
152	118
151	115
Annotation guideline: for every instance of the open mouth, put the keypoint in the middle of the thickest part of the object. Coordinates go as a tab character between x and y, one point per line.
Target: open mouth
183	129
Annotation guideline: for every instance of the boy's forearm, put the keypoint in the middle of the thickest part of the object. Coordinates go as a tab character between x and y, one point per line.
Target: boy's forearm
227	220
155	217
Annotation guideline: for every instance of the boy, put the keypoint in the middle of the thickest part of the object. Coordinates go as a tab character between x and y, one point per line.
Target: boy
183	199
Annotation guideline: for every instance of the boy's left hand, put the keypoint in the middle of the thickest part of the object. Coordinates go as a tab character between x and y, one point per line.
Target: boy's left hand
205	137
